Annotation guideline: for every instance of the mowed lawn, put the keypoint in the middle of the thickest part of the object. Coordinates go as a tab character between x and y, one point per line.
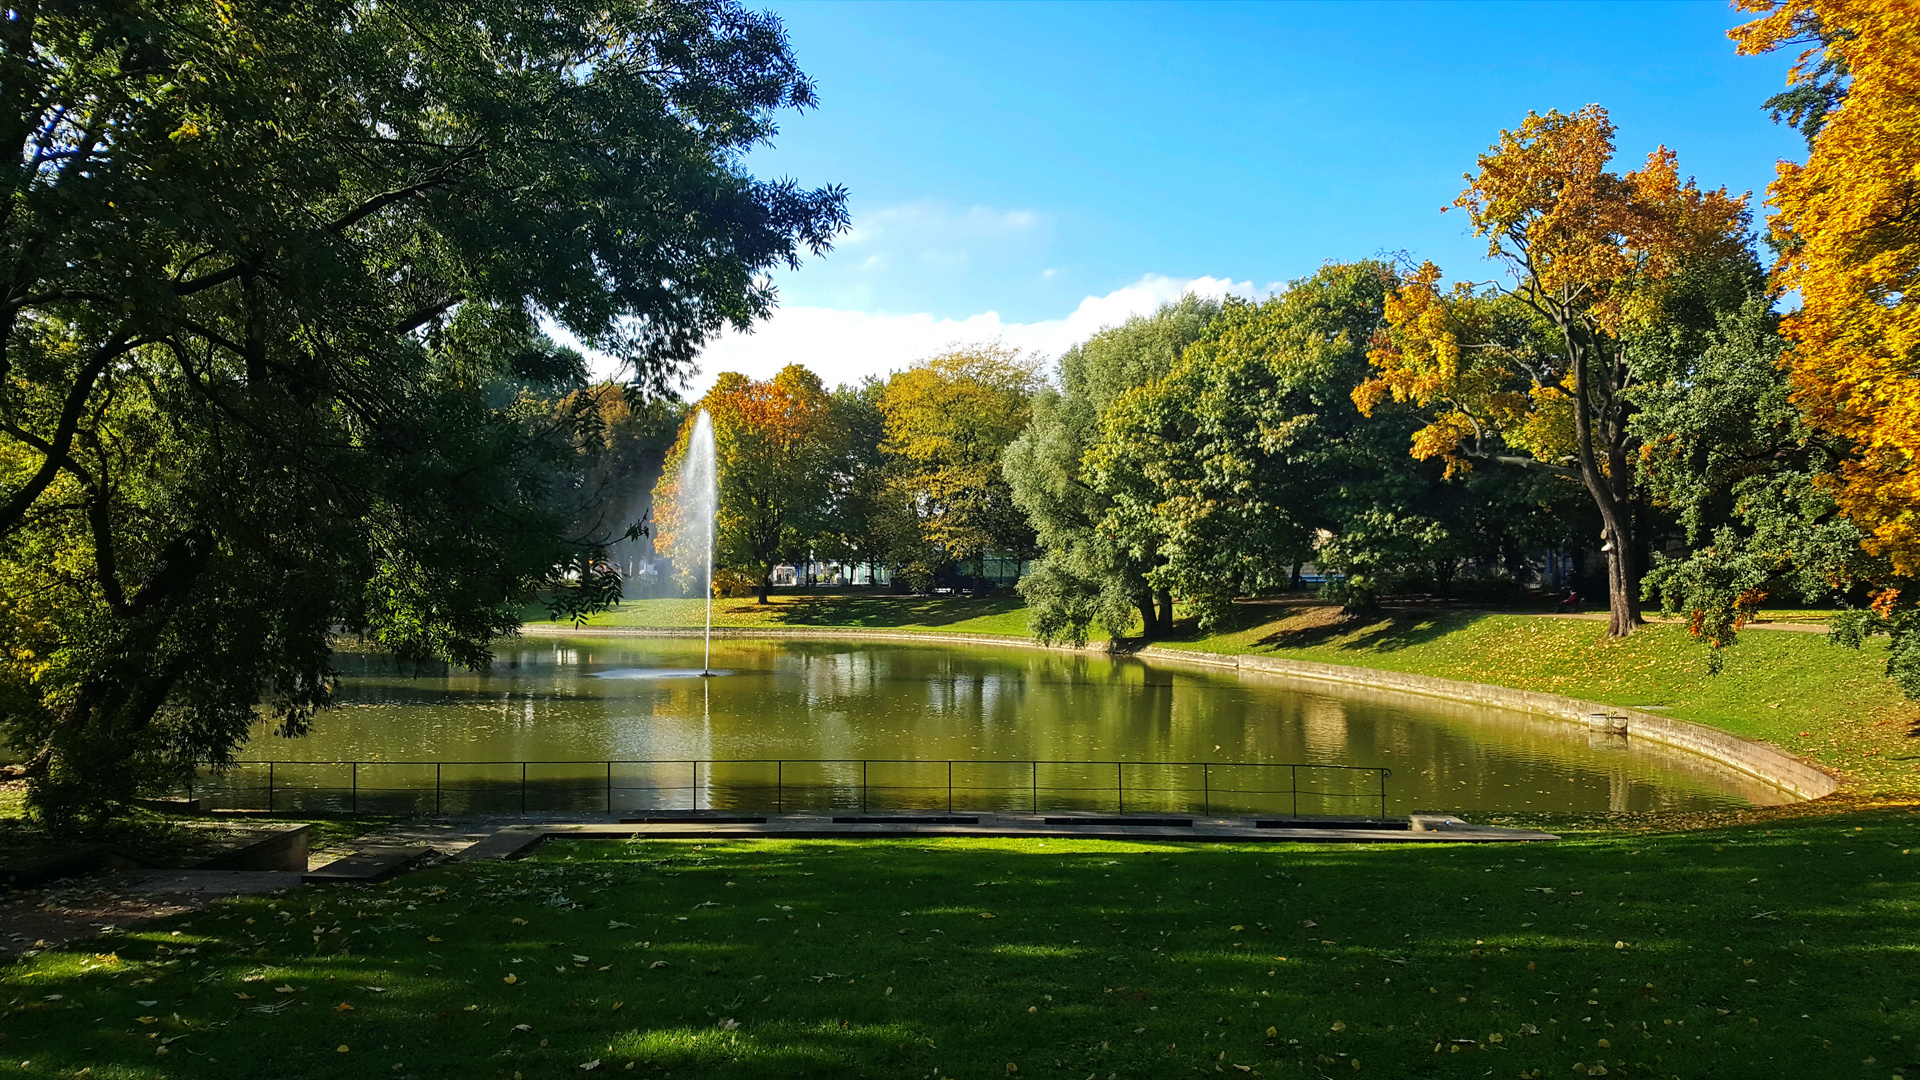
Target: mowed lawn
1784	946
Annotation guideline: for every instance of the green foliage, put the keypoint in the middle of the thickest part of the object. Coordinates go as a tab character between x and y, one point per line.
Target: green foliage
271	362
1222	474
947	420
1730	456
1085	575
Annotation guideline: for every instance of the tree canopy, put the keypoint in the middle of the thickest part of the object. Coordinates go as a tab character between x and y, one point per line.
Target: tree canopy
1085	574
269	361
774	443
1537	367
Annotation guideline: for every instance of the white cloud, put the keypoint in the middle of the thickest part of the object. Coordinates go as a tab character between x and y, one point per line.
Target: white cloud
844	346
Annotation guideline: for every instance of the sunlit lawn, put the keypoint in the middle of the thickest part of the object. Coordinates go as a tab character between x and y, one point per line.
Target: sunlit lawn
1003	614
1782	948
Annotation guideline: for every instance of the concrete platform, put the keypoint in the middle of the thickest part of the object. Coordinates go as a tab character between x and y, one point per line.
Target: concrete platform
367	865
515	840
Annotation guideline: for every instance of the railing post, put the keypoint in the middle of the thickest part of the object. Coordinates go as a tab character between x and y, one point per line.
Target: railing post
693	793
1120	786
354	806
523	787
1036	786
1383	794
269	787
436	789
1294	772
609	787
949	787
863	785
780	787
1206	791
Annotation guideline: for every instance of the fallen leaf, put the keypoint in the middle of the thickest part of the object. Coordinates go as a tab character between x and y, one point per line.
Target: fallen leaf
146	1019
578	959
523	1027
656	964
430	937
589	1066
1309	924
244	997
511	979
341	1049
522	922
343	1007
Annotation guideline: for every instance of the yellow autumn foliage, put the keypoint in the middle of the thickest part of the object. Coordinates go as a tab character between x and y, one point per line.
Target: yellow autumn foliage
1849	224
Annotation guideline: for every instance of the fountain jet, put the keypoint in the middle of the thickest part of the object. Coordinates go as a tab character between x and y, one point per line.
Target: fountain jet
699	499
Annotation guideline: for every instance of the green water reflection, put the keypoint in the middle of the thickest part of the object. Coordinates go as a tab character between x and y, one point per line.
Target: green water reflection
594	699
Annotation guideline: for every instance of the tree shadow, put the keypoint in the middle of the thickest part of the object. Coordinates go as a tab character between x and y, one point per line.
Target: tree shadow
890	611
1379	631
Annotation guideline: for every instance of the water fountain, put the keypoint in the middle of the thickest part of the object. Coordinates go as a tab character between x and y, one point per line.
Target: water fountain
698	493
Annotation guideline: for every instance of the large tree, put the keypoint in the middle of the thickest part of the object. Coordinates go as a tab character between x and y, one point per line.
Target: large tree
1085	574
268	357
1847	225
1533	372
774	444
1222	474
948	418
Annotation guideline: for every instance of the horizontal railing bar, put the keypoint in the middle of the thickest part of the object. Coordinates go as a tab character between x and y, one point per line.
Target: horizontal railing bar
930	762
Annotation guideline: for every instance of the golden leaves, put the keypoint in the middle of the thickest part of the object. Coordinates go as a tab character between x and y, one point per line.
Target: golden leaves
1849	234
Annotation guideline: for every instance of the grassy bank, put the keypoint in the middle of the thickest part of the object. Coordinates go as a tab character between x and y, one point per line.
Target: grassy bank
1831	704
872	611
1681	955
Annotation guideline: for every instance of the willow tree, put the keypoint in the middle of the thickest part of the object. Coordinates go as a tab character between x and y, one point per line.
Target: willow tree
271	277
1533	371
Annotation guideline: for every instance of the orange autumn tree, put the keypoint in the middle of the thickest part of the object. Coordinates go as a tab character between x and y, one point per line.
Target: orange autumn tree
774	443
1847	224
1533	371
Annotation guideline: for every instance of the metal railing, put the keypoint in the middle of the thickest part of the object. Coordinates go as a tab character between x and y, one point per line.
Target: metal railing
799	784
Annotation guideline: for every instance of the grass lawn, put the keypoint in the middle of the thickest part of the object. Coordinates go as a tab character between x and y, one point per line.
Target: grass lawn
1782	946
875	611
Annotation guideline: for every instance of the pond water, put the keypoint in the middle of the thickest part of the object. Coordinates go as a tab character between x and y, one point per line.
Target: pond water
628	724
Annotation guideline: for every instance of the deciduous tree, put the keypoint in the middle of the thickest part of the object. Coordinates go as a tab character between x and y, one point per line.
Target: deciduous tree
1085	575
270	277
1533	372
948	418
774	446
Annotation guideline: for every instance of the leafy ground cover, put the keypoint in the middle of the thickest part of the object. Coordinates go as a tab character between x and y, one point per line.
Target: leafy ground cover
1780	945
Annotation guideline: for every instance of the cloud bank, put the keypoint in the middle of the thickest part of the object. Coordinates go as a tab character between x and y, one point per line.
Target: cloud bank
845	346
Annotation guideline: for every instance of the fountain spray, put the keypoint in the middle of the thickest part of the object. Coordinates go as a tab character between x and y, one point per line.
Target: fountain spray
700	502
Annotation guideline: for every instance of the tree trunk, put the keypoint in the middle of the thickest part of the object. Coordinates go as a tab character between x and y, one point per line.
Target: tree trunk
1148	623
1164	601
1611	487
1294	582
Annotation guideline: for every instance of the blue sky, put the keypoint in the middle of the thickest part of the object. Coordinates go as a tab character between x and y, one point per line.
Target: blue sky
1033	171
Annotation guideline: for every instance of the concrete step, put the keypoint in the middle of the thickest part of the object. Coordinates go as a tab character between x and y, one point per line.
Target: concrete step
367	865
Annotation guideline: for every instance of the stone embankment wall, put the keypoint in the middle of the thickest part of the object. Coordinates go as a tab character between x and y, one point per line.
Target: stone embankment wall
1757	759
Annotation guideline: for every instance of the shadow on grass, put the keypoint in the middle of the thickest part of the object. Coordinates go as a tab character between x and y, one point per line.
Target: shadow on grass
881	612
1378	632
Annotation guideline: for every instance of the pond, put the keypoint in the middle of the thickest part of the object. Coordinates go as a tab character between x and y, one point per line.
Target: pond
626	724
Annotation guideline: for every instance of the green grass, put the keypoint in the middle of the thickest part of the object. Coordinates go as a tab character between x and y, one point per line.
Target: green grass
873	611
1714	952
1832	704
